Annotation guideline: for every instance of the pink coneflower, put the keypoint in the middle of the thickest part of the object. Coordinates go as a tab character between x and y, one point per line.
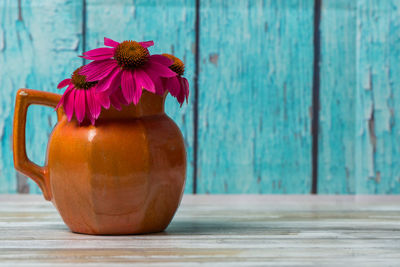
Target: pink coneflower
81	97
127	64
178	86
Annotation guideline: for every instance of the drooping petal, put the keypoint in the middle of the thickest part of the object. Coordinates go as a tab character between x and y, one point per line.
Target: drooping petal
93	105
186	87
64	83
182	93
80	105
69	104
127	85
105	83
162	60
63	97
97	70
157	82
161	69
138	87
115	84
173	86
103	99
146	44
89	115
118	94
110	42
115	102
99	53
137	95
144	80
92	120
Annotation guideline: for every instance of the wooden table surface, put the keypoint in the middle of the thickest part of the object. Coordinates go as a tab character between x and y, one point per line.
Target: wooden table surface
216	230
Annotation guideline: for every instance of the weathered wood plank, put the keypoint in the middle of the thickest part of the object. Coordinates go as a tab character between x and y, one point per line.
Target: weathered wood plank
171	25
39	42
255	96
336	161
378	98
217	230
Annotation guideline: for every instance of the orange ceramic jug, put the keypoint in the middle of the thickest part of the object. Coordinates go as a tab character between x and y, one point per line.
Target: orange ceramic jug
125	175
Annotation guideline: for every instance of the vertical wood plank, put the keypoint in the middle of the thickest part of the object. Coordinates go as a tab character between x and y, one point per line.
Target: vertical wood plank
171	25
336	160
39	42
359	147
378	98
255	96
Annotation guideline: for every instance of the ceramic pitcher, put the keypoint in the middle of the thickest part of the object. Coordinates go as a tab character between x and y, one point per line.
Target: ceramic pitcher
124	175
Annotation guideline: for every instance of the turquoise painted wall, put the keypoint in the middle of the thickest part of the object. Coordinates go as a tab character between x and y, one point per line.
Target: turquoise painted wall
260	63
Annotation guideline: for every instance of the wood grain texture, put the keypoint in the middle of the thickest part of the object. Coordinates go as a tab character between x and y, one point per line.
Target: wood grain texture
171	25
359	135
255	85
336	161
230	230
39	42
255	96
378	98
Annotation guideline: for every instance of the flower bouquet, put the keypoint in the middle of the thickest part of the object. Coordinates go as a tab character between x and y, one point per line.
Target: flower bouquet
118	75
116	163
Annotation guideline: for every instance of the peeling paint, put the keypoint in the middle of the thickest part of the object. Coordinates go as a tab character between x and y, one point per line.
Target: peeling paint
2	40
20	11
213	58
378	177
371	129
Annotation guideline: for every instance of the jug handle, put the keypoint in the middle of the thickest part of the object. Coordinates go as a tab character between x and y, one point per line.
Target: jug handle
26	97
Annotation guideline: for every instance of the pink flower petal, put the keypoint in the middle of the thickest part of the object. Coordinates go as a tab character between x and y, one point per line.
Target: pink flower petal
186	87
110	42
94	106
62	100
105	83
69	104
173	86
157	82
117	99
64	83
99	53
162	70
127	85
144	81
182	93
138	86
103	99
118	94
137	95
146	44
80	105
115	84
89	115
97	70
162	60
95	58
115	102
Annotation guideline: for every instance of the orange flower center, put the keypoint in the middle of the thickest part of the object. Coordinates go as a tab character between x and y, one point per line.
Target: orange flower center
177	66
131	54
80	80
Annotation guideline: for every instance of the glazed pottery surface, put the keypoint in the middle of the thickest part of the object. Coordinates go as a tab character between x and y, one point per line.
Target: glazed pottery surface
125	175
